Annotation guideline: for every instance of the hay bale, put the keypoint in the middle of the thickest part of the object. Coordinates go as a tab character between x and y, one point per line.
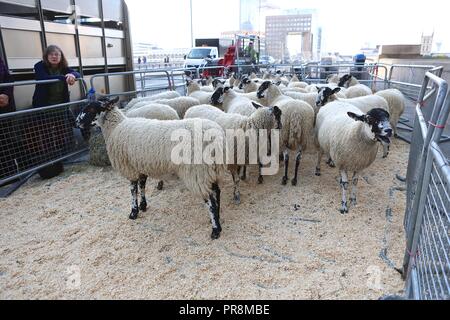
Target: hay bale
97	150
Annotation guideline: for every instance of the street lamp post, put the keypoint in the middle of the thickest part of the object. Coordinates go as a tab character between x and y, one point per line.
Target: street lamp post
192	26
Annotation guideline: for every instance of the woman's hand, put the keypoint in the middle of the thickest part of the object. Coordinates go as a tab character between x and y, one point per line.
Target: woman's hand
70	79
4	100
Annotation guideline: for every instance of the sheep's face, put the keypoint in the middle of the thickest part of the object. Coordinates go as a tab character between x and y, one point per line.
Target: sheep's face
262	91
218	83
217	97
89	113
246	81
326	95
378	122
331	78
343	82
270	122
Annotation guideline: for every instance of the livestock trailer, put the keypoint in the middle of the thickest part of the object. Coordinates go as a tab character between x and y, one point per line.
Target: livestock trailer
94	35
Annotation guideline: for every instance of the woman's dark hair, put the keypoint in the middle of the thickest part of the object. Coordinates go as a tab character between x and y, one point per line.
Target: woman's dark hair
50	49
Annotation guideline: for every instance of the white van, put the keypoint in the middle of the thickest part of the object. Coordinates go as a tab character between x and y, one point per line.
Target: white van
197	55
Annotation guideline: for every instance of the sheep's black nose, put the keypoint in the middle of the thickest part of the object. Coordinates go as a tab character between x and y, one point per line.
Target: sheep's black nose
388	132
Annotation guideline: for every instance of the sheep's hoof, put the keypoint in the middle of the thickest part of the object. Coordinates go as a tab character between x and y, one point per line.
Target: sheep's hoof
294	182
260	180
331	163
385	156
215	234
237	199
134	214
243	178
318	173
143	206
353	202
160	185
344	208
284	181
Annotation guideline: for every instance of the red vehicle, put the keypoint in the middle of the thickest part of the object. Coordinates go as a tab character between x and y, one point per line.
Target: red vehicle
234	60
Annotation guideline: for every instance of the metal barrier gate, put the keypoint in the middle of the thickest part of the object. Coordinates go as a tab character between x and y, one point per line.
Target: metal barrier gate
427	219
33	139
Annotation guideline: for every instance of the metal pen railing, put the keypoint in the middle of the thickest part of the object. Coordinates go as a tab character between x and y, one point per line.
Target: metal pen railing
33	139
427	217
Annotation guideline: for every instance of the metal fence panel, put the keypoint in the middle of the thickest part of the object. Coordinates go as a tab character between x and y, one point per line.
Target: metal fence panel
427	219
35	138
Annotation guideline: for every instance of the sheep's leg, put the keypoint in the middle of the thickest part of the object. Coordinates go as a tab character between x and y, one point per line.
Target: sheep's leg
244	173
355	181
142	183
214	211
386	150
260	176
344	187
160	185
319	163
237	193
286	167
134	200
298	158
330	162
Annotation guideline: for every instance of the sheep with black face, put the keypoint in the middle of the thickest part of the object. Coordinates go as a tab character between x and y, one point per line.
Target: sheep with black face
140	148
298	122
351	139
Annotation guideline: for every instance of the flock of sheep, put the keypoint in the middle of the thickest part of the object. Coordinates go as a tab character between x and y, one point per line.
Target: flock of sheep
342	120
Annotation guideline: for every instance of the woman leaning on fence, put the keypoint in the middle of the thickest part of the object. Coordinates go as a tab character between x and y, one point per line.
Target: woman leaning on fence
54	128
7	157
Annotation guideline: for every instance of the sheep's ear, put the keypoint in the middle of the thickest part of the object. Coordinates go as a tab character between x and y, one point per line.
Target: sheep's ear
278	83
336	90
256	105
109	104
277	112
318	88
356	117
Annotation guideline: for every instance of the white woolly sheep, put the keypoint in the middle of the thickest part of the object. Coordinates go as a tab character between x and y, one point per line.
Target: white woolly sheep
351	139
365	104
194	91
298	119
262	119
164	95
333	79
290	89
347	81
181	104
309	98
359	90
153	111
232	102
139	148
396	102
249	86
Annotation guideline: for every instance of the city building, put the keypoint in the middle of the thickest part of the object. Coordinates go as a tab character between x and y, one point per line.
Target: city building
426	45
279	27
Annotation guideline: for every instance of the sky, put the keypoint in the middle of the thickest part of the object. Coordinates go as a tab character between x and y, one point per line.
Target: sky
347	25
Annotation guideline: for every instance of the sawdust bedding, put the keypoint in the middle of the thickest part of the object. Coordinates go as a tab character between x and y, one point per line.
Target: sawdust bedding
70	238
